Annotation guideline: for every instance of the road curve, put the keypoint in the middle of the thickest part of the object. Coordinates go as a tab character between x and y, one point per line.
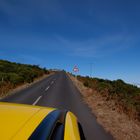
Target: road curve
58	91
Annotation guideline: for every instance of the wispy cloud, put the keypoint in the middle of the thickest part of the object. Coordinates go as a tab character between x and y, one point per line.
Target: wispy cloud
96	47
90	48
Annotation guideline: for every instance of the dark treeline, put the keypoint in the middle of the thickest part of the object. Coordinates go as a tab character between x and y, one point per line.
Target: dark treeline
126	96
14	74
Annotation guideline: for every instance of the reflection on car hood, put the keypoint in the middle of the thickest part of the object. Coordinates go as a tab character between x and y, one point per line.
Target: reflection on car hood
19	121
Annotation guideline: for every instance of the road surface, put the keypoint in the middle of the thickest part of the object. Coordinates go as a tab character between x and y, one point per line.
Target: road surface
58	91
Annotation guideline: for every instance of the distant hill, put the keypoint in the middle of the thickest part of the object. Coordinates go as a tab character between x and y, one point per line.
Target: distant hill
13	74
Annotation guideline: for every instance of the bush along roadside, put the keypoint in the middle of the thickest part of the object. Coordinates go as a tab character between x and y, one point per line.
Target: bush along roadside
15	74
126	96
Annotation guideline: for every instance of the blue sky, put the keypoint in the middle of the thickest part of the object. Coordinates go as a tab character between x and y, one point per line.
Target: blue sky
64	33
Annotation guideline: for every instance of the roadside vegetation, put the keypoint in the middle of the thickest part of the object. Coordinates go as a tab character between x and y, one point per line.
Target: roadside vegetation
126	96
15	74
115	104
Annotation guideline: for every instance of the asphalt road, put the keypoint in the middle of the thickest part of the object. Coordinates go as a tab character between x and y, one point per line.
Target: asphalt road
58	91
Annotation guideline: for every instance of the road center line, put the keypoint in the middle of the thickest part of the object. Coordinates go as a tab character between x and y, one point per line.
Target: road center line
47	88
52	82
36	101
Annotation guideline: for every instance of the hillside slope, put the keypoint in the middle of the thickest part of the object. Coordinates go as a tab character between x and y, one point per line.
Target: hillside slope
116	111
15	74
126	96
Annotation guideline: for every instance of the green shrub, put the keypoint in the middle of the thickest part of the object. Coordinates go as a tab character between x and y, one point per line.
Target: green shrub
3	77
15	79
19	73
86	84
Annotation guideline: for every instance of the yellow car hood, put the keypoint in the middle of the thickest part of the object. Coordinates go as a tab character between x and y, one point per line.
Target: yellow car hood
19	121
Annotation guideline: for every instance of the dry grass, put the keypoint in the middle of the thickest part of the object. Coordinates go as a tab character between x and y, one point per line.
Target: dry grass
108	115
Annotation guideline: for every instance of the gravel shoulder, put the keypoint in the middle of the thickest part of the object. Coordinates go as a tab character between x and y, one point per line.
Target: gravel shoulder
117	123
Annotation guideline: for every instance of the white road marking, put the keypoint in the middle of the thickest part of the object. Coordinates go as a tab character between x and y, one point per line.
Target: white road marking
36	101
52	82
47	88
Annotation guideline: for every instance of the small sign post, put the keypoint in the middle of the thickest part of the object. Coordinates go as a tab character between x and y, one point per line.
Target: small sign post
75	69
